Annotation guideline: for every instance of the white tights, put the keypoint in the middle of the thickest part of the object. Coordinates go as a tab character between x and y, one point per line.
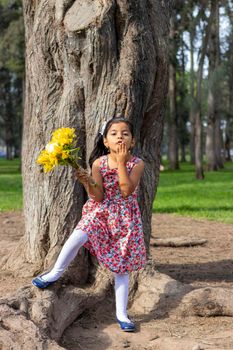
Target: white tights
70	249
67	254
121	295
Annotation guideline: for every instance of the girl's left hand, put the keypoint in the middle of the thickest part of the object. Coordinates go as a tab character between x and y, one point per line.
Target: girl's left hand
82	175
122	153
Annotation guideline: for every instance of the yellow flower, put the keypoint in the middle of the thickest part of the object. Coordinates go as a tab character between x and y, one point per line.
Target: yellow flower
46	160
54	149
50	147
63	136
60	150
65	155
48	167
43	157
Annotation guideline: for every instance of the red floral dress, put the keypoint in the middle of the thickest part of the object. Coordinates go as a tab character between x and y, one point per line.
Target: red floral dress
114	226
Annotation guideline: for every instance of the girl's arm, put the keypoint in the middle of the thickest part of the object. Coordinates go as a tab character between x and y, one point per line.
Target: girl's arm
128	182
96	191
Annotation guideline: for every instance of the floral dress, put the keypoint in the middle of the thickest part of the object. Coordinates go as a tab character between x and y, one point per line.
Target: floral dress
114	226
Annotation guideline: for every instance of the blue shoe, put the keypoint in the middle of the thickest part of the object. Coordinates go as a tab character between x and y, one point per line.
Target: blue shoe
126	326
40	283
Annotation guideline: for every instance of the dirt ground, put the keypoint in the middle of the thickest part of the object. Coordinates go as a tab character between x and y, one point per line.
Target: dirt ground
201	266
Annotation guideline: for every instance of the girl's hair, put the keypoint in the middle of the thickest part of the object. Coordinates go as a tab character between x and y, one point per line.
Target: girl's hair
99	148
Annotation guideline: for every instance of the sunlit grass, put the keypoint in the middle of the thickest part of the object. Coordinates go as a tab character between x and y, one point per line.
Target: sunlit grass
180	193
10	185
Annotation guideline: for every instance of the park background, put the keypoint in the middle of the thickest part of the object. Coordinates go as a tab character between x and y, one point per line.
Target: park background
200	58
196	154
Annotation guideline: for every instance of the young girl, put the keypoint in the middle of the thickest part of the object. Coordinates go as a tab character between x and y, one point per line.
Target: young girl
111	226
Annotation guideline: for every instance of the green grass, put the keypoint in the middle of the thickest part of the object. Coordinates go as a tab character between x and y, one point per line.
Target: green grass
10	185
180	193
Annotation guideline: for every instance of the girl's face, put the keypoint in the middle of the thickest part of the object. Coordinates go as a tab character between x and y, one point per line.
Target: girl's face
118	133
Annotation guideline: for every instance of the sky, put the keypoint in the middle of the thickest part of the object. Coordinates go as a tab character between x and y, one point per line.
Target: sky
223	32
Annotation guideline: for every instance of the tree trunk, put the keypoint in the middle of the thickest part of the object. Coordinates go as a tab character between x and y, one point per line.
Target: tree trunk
229	118
172	124
197	117
197	112
227	141
213	146
219	143
7	112
192	107
181	107
198	147
183	153
85	63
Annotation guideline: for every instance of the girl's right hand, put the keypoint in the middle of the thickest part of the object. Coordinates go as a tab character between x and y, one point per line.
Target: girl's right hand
122	154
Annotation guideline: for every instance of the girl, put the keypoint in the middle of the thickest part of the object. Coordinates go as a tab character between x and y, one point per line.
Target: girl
111	226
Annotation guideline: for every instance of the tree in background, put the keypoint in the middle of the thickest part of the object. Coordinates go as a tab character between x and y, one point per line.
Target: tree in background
229	88
173	115
213	136
195	33
183	100
11	75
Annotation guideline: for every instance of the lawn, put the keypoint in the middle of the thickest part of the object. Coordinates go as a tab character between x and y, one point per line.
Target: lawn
10	185
180	193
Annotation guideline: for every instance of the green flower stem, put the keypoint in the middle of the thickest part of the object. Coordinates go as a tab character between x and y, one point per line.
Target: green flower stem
91	181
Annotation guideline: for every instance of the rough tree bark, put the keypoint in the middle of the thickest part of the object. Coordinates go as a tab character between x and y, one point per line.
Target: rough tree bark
86	61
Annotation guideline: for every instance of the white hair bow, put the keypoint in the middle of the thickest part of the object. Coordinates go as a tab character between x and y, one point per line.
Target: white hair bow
103	128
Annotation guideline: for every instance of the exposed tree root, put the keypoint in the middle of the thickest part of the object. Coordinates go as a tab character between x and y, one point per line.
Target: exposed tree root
17	332
157	293
38	318
34	316
208	302
177	242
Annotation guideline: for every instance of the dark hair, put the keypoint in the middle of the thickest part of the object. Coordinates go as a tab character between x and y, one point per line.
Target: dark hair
99	148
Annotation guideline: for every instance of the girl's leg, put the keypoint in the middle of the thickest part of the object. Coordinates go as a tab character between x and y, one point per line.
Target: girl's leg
67	254
121	295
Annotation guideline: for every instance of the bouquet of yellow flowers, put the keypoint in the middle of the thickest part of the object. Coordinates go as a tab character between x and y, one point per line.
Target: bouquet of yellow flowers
61	150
